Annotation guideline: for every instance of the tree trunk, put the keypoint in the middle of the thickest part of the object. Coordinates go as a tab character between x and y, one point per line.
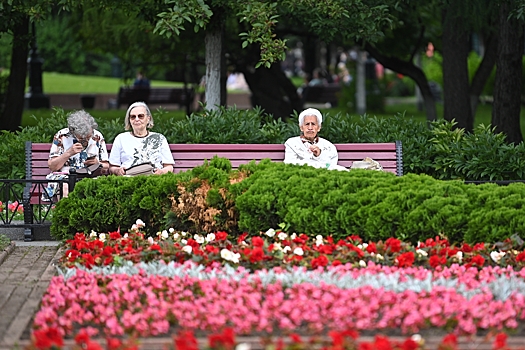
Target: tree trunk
11	117
410	70
507	87
483	72
215	94
455	71
272	90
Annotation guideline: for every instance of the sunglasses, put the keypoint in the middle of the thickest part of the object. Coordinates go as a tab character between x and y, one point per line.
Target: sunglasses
138	116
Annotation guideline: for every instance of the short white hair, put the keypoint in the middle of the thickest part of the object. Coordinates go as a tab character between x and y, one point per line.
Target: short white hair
309	112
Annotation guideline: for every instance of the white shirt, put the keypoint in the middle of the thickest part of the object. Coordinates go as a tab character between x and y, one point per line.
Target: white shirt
298	152
128	150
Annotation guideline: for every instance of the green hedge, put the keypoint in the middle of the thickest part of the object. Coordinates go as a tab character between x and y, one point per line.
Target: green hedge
373	205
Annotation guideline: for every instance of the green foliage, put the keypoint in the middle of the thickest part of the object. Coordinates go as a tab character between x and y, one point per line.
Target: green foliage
107	203
377	205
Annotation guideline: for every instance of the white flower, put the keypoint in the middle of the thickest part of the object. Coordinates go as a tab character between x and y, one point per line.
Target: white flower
418	339
164	234
183	234
210	237
198	238
379	257
286	249
126	235
496	256
270	232
150	240
187	249
176	236
102	237
318	240
93	234
362	263
298	251
235	258
293	236
277	246
183	241
362	246
421	252
243	346
282	236
459	256
134	227
171	230
140	223
226	254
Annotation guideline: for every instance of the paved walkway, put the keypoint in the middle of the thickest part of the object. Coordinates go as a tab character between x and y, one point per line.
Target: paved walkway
26	269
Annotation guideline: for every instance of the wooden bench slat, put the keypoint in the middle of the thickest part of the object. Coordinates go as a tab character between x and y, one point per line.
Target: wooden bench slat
188	156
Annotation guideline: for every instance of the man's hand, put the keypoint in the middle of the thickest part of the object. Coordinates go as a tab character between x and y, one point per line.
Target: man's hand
315	150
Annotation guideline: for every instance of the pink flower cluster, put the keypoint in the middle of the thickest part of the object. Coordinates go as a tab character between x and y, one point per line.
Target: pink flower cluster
146	305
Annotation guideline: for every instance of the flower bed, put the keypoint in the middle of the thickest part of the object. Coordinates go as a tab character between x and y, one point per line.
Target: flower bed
125	285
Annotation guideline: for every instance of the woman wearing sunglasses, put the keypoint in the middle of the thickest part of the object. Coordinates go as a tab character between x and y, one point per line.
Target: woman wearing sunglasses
140	145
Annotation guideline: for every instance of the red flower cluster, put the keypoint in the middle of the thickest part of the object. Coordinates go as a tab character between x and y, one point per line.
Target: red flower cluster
277	248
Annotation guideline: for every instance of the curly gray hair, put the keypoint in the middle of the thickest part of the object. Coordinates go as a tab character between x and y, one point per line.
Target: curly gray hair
127	124
81	123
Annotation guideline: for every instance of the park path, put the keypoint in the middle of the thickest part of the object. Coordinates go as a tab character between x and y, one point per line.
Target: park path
26	268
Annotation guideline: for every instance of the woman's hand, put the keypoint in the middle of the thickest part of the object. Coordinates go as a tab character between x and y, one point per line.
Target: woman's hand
117	170
91	161
166	169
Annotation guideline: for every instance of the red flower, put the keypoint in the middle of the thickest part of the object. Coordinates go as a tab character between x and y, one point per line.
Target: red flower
185	340
466	248
319	261
478	260
226	340
46	338
211	249
115	235
256	255
156	247
450	340
406	259
409	344
113	343
500	342
336	262
241	238
436	261
257	241
82	337
394	244
520	257
221	236
371	248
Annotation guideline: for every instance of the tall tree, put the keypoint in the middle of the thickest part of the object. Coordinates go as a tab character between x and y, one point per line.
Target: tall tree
15	16
509	77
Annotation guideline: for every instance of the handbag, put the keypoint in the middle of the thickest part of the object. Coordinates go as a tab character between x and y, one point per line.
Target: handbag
367	163
92	170
140	169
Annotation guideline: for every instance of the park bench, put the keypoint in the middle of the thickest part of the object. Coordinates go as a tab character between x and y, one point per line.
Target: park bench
183	96
188	156
322	94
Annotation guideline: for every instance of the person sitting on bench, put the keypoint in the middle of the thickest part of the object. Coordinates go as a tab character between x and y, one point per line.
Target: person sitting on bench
309	148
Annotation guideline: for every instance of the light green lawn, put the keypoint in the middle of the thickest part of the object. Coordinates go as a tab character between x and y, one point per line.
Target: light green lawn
58	83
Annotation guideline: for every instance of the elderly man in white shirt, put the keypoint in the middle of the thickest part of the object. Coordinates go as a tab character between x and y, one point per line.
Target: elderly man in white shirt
309	148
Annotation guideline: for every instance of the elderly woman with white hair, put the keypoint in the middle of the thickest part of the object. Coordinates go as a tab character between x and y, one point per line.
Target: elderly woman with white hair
139	145
309	148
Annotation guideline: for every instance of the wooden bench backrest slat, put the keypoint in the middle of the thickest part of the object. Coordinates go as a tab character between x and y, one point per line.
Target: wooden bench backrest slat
188	156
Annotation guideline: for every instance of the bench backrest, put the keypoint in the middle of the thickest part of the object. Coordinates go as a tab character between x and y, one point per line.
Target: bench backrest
188	156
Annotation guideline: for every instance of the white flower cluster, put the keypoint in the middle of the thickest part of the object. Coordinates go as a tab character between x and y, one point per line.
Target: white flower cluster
230	256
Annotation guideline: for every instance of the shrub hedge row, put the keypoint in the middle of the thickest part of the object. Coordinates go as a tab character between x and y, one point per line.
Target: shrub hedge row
373	205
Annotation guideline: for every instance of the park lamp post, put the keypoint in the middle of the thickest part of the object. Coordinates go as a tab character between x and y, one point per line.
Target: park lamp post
35	97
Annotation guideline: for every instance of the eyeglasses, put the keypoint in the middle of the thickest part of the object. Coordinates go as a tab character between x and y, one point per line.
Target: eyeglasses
139	116
82	140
